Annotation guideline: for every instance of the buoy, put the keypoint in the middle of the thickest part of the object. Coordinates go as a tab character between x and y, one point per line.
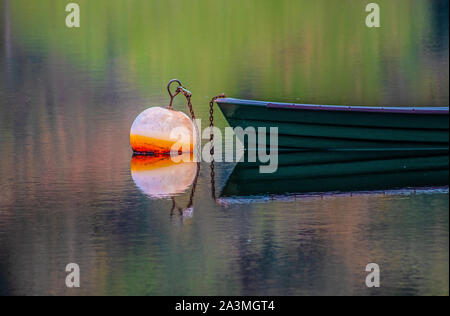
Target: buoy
161	131
161	177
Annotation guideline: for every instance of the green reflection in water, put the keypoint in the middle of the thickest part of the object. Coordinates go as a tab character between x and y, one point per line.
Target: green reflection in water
304	51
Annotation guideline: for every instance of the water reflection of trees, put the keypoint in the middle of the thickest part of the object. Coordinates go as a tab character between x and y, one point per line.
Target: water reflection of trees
67	195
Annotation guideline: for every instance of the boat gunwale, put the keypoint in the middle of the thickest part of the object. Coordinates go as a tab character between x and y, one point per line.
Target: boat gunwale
345	108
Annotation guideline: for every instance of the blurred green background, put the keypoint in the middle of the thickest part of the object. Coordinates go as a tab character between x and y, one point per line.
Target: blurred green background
310	51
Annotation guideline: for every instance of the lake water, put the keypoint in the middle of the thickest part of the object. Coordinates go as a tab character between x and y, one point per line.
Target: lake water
70	191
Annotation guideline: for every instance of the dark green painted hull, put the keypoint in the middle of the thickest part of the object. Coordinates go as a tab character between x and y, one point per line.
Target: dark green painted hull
341	171
338	127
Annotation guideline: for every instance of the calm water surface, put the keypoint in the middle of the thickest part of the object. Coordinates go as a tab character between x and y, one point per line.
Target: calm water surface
69	191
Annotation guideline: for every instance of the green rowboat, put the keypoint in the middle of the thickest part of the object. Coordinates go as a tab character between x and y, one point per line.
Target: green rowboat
304	126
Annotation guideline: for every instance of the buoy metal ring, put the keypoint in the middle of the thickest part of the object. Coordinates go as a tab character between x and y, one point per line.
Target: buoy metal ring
172	96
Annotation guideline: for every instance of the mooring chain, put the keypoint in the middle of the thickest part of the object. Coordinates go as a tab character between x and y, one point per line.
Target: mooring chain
191	196
188	95
194	186
211	121
211	141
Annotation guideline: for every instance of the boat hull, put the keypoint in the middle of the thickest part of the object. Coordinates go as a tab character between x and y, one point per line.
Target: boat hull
341	127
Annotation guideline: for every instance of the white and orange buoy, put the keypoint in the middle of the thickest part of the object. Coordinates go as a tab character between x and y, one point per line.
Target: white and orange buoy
160	130
161	177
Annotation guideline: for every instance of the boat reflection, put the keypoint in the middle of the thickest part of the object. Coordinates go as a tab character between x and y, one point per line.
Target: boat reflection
160	177
339	172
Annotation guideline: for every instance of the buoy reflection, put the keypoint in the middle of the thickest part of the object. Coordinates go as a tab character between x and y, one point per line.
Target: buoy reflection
160	177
